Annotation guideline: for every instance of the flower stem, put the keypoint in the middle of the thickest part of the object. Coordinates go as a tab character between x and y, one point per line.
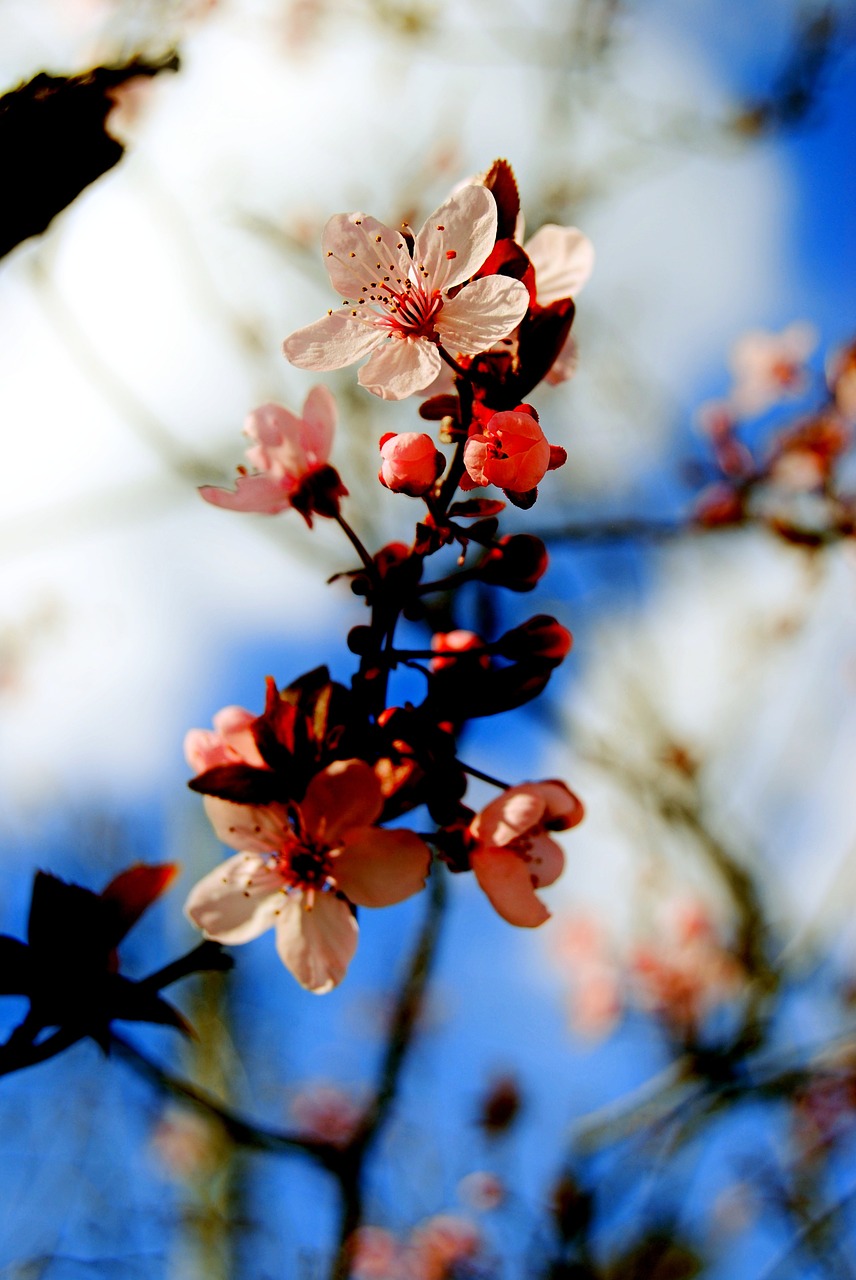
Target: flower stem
451	362
399	1043
485	777
367	562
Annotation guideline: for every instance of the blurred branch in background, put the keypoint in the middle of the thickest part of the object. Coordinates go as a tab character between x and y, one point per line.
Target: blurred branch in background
703	1008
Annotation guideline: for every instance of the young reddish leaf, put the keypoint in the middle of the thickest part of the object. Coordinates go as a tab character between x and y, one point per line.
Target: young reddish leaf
241	783
476	508
502	184
135	889
438	407
507	258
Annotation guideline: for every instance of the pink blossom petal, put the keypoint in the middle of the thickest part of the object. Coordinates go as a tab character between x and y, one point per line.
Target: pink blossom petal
518	810
319	416
563	259
505	878
521	471
482	314
236	901
345	794
565	365
547	860
464	226
233	726
316	945
250	828
260	494
270	424
279	445
359	251
400	367
203	748
378	868
332	342
511	815
477	456
564	809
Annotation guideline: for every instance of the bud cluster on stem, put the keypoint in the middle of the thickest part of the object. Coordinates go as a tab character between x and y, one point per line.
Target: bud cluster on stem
301	792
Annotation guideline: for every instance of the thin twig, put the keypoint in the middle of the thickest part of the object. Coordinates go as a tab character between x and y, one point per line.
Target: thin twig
242	1130
399	1043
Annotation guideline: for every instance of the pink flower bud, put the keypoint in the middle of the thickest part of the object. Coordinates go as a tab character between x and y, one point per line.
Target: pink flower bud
516	561
454	642
411	462
512	453
541	637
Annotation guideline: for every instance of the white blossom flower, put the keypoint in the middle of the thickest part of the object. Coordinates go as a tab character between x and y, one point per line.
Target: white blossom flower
397	307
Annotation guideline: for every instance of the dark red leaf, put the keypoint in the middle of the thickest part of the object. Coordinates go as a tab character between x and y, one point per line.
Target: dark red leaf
502	184
135	889
476	508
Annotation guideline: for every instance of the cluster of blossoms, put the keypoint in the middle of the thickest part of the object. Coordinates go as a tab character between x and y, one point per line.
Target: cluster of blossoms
464	313
681	971
437	1249
795	485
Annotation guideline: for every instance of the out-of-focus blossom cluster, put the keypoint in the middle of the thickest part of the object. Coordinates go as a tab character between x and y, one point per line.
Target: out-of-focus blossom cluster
680	971
464	312
439	1248
326	1113
185	1144
794	483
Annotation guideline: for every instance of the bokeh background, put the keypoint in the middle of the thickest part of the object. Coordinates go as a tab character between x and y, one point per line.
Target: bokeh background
707	149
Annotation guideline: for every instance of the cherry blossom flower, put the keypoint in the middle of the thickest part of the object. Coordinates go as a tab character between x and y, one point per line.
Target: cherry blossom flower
685	971
482	1191
439	1244
299	870
563	258
185	1143
229	742
375	1254
511	452
770	367
289	456
434	1250
325	1113
841	377
513	855
584	955
411	462
397	306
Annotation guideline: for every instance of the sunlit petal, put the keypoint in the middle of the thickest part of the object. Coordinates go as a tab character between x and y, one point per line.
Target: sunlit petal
377	867
236	901
317	945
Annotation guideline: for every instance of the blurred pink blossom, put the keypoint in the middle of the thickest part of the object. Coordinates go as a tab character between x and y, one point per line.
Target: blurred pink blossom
841	377
438	1244
481	1191
325	1113
770	367
686	970
563	258
229	742
285	453
184	1143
